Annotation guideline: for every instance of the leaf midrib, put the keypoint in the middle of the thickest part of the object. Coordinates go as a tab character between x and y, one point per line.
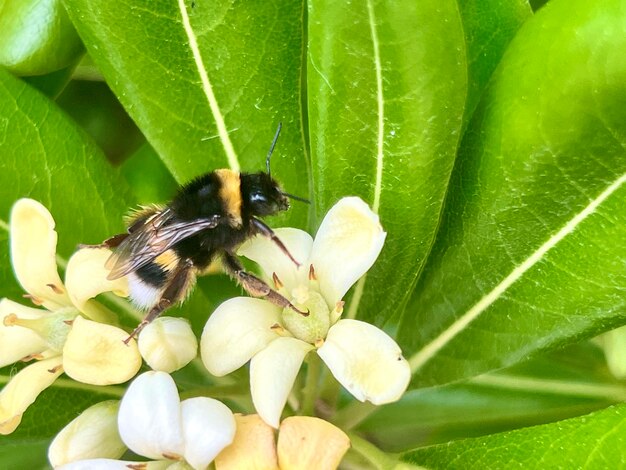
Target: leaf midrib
428	352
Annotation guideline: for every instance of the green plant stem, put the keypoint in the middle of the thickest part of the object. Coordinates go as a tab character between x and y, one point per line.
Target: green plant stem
379	459
216	391
353	414
311	386
329	392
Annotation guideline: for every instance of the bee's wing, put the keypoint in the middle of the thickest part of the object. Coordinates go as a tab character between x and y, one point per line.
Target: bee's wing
151	239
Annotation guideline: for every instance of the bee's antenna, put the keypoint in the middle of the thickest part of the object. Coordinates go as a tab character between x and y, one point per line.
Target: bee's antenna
269	154
297	198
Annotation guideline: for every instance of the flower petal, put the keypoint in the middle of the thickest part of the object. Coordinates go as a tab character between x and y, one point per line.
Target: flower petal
33	253
149	419
86	277
366	361
110	464
168	344
346	245
208	427
308	442
93	434
254	447
95	353
18	342
266	254
236	331
272	374
23	389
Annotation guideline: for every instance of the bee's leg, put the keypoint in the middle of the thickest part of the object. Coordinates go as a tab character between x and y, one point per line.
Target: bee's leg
111	242
262	229
255	286
175	290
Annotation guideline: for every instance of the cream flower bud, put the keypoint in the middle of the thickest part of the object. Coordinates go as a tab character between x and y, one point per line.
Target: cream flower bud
92	435
168	344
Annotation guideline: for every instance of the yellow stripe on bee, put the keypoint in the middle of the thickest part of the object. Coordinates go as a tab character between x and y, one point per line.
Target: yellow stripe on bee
230	194
167	260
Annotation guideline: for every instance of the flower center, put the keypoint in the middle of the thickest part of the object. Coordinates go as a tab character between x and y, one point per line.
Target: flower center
313	328
52	327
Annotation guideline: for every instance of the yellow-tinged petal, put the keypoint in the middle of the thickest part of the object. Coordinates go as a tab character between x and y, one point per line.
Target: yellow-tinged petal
272	374
266	254
208	427
236	331
254	447
23	389
96	354
17	342
33	253
86	277
150	420
168	344
93	434
110	464
347	243
366	361
305	442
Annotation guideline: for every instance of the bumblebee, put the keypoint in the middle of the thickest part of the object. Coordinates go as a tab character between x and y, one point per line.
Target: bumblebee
167	246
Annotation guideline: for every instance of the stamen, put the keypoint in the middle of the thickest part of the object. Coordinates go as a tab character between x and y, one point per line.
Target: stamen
277	328
55	369
339	307
56	289
35	300
172	456
30	357
277	282
312	276
10	320
319	343
137	466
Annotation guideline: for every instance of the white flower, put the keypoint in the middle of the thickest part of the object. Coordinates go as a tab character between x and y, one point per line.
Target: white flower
154	423
303	442
58	337
93	434
168	344
363	358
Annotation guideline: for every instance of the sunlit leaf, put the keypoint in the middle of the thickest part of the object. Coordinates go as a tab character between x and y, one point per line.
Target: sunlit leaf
531	251
386	87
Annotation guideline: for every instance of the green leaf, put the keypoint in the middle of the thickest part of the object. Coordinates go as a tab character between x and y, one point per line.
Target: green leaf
489	26
36	37
206	83
531	251
46	157
593	441
386	87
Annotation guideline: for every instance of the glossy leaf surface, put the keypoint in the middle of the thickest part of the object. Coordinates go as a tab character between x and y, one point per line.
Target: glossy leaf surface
531	251
206	83
386	87
598	439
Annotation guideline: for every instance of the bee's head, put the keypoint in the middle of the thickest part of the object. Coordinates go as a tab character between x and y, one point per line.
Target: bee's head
262	194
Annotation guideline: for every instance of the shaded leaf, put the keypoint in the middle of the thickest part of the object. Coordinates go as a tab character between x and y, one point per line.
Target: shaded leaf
386	87
531	251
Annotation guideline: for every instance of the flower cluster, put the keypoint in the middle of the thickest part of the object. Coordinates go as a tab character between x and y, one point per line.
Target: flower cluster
75	334
58	338
363	358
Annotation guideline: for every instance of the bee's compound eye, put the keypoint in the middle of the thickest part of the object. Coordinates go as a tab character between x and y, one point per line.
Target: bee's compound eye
258	197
